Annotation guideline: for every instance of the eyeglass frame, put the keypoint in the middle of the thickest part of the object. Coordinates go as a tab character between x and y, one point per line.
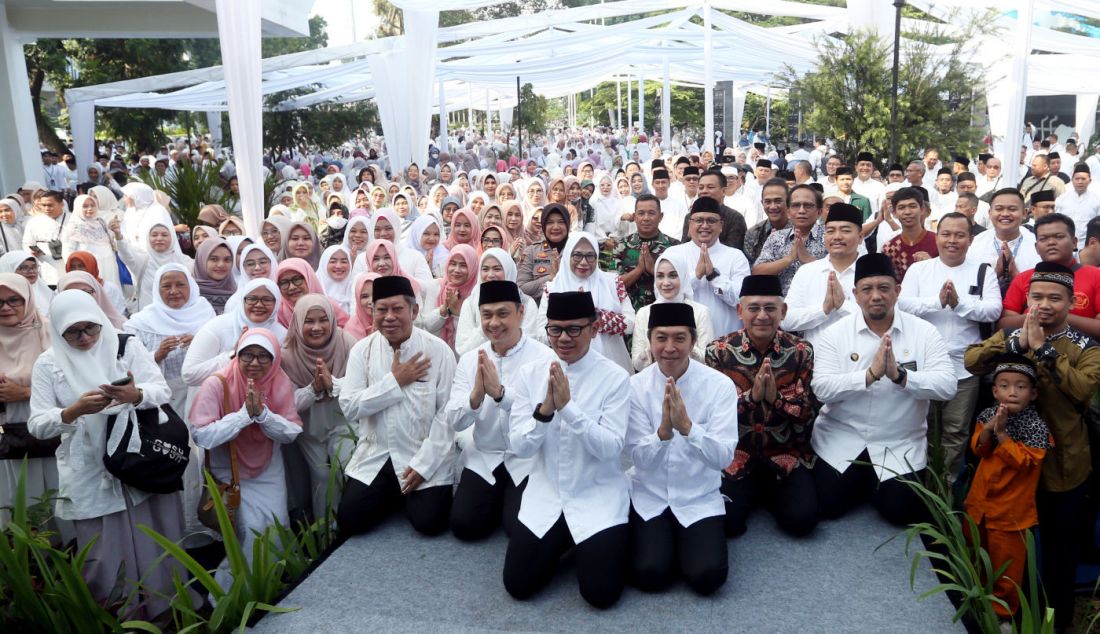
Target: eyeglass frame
91	330
287	282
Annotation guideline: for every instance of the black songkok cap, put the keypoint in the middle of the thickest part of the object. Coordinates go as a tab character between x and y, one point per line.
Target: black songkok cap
843	212
759	146
865	156
764	163
392	285
691	170
843	170
1082	167
962	160
495	291
965	176
945	170
983	157
1053	155
1009	362
705	204
1053	272
683	160
671	314
873	265
761	285
570	305
657	162
895	167
659	174
1044	196
818	186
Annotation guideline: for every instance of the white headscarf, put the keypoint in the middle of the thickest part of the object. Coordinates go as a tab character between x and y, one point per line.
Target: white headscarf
161	319
85	370
140	193
389	214
157	216
338	291
360	220
683	272
43	294
234	243
416	232
240	320
506	262
600	284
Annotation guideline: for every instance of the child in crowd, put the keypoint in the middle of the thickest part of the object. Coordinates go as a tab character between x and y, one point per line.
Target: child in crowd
1011	440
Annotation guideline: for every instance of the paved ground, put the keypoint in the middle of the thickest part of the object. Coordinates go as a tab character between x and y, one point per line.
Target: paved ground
834	581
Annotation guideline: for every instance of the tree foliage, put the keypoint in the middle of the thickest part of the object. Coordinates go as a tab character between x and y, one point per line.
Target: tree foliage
534	113
685	106
847	97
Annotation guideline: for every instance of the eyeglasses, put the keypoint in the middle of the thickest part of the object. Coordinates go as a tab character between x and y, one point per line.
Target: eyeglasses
572	331
287	282
252	300
14	301
492	242
696	220
73	335
249	358
586	257
802	206
24	269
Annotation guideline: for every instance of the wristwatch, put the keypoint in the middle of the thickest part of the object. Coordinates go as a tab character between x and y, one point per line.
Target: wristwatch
539	417
902	372
497	400
713	274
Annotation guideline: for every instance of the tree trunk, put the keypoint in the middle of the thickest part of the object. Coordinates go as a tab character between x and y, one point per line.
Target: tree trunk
46	133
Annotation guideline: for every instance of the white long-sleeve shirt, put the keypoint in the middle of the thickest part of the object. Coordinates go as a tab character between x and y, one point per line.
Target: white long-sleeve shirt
987	248
684	472
490	421
720	295
1081	208
406	425
576	469
38	232
870	189
806	298
887	420
85	488
959	326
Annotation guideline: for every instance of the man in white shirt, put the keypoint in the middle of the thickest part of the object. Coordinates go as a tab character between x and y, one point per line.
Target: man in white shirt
681	435
718	268
570	415
956	295
1008	248
673	207
45	227
1080	204
942	197
396	388
932	167
864	184
875	372
991	180
492	479
820	292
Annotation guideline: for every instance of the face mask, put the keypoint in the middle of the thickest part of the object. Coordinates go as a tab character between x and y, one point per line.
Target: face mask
336	223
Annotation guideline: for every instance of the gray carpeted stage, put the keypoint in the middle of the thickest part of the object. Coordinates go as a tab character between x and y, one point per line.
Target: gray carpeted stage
835	581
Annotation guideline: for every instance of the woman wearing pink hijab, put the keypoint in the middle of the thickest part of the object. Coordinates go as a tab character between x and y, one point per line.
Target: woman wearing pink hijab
465	229
361	322
296	279
381	258
260	413
443	299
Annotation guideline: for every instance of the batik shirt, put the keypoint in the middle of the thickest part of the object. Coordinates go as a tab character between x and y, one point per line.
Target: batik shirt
625	258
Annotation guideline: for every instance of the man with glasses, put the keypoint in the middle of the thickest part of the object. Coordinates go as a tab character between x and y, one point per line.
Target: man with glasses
570	415
802	242
493	476
718	269
396	387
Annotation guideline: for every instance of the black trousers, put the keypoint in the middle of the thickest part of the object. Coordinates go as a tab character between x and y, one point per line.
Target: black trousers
791	499
530	562
364	506
663	550
1060	520
839	493
479	507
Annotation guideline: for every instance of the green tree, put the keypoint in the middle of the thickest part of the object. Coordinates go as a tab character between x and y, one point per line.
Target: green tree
534	111
685	105
847	97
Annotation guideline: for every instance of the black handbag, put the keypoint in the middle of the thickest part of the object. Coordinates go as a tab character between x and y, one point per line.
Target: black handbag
165	449
17	443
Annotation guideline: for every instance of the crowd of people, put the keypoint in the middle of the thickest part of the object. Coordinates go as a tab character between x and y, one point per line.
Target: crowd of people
610	348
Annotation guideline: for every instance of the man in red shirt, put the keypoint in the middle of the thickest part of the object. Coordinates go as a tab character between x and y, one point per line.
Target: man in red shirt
914	243
1055	241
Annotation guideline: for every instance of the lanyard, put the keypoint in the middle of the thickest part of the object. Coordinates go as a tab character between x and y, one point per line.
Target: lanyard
1015	250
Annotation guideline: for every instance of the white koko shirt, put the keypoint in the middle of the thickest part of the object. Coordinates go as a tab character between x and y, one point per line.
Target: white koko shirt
806	296
403	424
684	472
887	420
720	295
490	421
576	470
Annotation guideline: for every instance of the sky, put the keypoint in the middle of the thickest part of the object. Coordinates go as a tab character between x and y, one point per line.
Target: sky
348	20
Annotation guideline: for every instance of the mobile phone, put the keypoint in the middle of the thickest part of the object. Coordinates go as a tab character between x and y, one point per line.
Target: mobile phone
126	380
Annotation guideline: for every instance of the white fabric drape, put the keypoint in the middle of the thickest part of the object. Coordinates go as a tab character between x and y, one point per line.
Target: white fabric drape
739	94
1016	92
214	123
239	37
82	124
708	80
1086	119
641	102
666	108
442	117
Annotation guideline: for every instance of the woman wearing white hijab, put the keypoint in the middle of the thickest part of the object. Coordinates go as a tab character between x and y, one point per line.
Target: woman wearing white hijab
158	247
138	199
11	227
605	202
26	265
437	257
87	231
615	312
71	397
672	283
494	264
257	261
337	288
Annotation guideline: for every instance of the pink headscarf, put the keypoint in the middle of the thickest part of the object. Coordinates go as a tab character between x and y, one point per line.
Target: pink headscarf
83	277
373	248
313	286
475	231
252	445
467	253
361	323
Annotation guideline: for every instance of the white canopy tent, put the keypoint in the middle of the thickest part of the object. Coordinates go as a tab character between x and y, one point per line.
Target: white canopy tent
563	52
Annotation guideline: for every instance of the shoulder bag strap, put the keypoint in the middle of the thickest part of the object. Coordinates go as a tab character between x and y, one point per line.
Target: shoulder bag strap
981	278
234	477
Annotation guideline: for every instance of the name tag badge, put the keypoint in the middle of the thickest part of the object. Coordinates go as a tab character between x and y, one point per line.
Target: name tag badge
910	366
